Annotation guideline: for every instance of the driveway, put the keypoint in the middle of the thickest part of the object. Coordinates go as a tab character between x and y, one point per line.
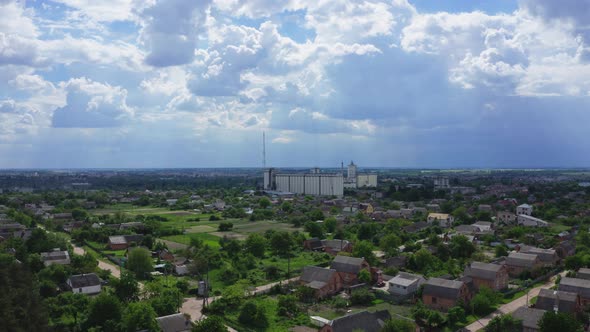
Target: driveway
512	306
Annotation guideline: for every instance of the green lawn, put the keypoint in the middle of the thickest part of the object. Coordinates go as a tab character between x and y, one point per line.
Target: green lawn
211	240
276	323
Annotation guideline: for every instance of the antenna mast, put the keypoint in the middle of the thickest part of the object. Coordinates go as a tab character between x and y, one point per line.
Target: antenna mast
263	149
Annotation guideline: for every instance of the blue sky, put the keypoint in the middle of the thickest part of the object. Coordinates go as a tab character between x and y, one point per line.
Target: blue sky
396	83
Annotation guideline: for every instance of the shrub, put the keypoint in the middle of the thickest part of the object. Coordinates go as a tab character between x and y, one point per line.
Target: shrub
362	296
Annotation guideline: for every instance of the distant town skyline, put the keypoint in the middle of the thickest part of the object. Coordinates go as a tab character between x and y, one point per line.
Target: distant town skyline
189	84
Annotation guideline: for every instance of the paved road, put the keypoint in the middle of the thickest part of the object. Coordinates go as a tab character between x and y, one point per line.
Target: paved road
115	270
512	306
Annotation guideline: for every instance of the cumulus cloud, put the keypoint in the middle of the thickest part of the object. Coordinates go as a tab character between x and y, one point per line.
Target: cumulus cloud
171	31
92	105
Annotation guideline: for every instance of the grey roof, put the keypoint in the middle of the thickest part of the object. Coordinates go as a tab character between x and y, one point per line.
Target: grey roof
583	273
547	299
347	264
315	243
466	229
314	273
520	259
545	255
575	285
364	320
405	279
444	288
415	227
55	255
482	270
118	239
174	323
530	316
84	280
335	244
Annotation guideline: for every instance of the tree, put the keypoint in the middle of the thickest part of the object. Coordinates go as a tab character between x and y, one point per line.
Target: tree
105	311
398	325
390	244
501	251
84	264
361	296
364	249
330	224
256	245
225	226
481	305
126	288
456	315
167	301
364	276
20	304
140	316
504	323
315	229
253	315
139	261
287	305
209	324
281	243
559	321
264	202
461	247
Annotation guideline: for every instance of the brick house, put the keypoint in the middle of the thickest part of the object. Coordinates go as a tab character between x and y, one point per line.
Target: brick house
530	318
349	267
518	263
548	257
120	242
494	276
564	301
443	294
576	285
325	282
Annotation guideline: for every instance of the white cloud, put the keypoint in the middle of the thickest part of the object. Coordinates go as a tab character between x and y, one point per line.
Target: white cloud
92	105
171	30
104	11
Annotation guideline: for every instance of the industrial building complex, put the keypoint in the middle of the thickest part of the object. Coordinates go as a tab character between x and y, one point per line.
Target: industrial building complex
317	183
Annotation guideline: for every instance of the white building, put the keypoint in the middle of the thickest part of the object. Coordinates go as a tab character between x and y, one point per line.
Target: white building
316	184
85	283
405	284
524	209
441	183
354	179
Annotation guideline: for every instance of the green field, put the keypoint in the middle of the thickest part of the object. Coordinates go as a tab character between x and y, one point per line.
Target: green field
208	239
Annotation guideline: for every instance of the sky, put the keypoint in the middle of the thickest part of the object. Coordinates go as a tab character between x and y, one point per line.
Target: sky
396	83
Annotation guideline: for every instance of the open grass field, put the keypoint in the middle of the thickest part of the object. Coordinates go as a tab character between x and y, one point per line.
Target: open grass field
211	240
326	311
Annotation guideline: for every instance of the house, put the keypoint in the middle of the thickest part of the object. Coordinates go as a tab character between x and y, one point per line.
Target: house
443	294
433	207
175	323
549	299
576	285
484	208
166	255
56	256
583	273
530	318
416	227
518	263
366	208
483	226
84	283
494	276
349	267
332	247
565	249
505	218
443	219
171	201
120	242
548	257
405	284
466	229
325	282
360	321
524	209
529	221
397	262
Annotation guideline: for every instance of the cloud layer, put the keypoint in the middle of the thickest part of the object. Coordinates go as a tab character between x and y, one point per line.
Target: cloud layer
387	83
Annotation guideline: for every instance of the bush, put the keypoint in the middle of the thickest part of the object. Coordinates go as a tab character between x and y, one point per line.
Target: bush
253	315
225	226
214	218
339	303
361	297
